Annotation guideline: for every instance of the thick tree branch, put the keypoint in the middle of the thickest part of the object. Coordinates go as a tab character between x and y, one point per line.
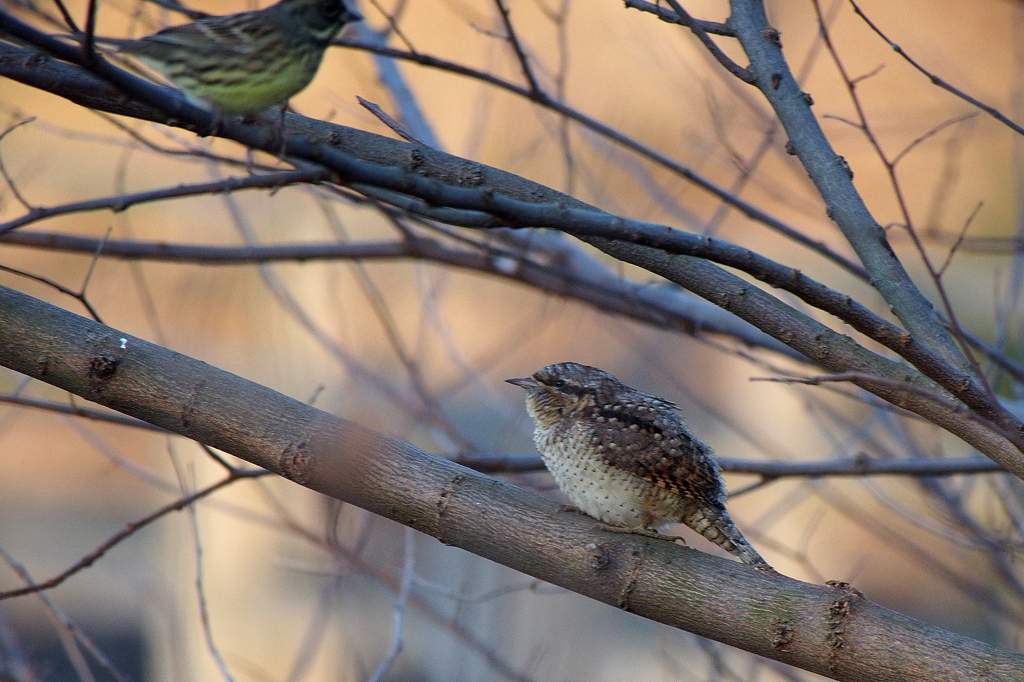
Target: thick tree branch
650	153
771	615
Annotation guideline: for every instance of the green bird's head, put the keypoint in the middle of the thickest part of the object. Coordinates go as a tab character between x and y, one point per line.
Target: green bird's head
321	19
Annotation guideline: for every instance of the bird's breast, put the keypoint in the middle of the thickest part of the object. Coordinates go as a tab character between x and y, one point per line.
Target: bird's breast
605	492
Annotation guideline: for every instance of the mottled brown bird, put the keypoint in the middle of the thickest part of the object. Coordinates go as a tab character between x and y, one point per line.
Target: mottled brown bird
626	457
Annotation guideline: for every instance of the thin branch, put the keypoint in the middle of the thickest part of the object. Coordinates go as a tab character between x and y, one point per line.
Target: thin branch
76	411
890	166
929	134
862	465
404	590
388	120
671	17
66	15
89	40
122	202
204	612
712	47
53	284
610	294
517	46
959	239
129	530
935	80
3	168
393	27
65	623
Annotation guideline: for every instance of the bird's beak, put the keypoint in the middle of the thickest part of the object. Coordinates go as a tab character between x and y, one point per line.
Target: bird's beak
523	382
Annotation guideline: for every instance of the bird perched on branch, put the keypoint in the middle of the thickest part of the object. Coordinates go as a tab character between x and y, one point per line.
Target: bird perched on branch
247	62
626	457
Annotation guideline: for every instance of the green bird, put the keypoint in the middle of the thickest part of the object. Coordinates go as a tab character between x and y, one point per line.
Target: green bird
247	62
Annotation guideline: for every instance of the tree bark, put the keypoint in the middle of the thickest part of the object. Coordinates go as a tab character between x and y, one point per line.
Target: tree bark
832	630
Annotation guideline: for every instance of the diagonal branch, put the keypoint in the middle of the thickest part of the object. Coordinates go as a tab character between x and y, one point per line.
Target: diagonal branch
935	80
431	178
834	180
709	44
770	615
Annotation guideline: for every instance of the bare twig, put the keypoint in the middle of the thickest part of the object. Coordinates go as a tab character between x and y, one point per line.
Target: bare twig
66	625
388	120
3	168
517	46
959	239
89	40
129	530
77	295
122	202
935	80
204	612
405	588
716	52
66	15
671	17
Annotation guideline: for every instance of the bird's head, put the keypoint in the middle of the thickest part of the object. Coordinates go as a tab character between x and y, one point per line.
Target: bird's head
566	388
322	19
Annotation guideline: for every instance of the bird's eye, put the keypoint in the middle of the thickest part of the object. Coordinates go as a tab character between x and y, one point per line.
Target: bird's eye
559	383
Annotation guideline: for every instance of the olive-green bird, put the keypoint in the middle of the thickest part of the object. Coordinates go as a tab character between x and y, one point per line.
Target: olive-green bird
247	62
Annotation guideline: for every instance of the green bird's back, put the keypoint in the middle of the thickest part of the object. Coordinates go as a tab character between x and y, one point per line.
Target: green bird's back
244	63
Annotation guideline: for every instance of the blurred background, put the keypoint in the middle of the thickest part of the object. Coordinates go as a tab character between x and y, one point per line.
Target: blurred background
297	587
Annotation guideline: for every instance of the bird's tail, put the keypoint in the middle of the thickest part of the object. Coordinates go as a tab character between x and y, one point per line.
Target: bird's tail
716	525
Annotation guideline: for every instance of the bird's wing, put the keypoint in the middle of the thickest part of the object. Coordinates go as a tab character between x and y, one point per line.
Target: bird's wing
237	33
647	437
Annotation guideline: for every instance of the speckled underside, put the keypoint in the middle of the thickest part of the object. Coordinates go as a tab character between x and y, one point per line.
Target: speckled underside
627	458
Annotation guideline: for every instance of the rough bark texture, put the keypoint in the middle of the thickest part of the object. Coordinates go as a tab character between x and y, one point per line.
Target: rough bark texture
834	631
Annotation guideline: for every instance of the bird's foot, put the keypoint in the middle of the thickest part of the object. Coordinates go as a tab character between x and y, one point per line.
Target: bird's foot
569	508
282	138
641	530
216	125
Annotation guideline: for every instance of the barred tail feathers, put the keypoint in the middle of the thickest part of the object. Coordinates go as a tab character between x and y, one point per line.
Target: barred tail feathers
716	525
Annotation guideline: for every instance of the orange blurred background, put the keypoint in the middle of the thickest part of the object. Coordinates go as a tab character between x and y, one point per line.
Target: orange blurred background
70	483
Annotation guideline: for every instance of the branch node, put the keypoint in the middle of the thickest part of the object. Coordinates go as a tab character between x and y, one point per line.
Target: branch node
773	36
782	634
836	619
446	495
599	557
638	556
102	367
294	462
